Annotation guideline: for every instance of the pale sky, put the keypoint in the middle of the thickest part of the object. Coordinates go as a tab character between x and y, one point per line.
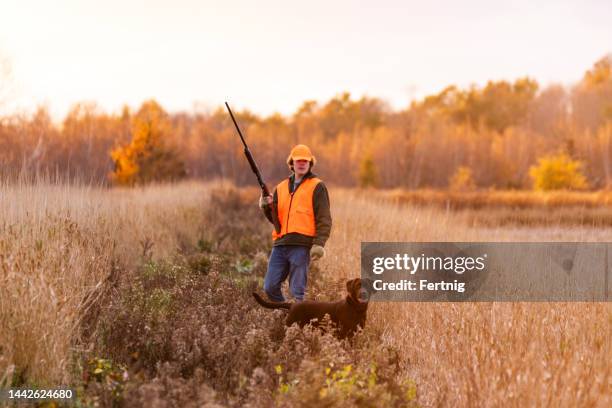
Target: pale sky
270	56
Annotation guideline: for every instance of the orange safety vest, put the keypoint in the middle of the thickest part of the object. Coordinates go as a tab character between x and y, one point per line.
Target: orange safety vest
295	211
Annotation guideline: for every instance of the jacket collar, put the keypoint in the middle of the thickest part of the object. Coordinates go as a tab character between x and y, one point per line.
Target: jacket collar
308	175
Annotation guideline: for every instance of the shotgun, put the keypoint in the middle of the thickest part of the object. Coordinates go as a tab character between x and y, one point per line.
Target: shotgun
249	156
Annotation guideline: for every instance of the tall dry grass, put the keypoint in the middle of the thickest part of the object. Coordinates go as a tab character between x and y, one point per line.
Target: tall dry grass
479	354
59	244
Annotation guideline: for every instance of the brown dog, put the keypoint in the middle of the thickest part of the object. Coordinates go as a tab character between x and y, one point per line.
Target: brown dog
346	315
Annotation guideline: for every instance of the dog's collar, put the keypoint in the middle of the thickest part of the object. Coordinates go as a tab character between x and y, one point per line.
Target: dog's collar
356	304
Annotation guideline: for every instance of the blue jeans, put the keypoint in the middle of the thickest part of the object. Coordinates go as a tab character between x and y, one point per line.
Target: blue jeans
287	260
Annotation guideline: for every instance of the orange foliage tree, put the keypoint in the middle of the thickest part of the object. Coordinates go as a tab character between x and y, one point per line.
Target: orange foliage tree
150	155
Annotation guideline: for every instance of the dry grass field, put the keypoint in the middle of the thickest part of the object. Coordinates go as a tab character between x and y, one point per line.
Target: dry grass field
491	354
59	246
131	287
501	208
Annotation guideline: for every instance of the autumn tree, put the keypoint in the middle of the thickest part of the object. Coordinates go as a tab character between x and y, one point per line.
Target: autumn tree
87	131
150	156
558	172
342	114
499	105
592	97
462	180
368	176
604	139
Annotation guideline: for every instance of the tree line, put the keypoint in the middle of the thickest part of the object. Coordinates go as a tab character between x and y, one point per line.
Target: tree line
503	135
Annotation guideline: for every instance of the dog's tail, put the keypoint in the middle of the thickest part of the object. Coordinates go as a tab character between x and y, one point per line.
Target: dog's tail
271	305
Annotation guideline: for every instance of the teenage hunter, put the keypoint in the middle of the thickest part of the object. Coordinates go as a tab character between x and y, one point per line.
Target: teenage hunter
302	204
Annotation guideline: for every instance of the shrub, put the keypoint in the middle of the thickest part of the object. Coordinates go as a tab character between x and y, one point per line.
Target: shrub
319	370
558	172
368	175
462	180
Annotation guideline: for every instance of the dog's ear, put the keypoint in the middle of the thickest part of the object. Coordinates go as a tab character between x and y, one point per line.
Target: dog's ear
350	284
353	286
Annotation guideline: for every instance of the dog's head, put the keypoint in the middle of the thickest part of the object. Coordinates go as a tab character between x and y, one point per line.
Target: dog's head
359	289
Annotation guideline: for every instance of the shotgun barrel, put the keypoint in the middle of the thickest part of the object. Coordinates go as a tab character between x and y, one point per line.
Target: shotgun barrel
255	169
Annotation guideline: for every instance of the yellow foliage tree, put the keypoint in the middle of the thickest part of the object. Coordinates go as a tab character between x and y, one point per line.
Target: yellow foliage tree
150	155
462	180
558	172
368	175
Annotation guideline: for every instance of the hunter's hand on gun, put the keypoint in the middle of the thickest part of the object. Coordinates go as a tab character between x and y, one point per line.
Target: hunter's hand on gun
264	201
